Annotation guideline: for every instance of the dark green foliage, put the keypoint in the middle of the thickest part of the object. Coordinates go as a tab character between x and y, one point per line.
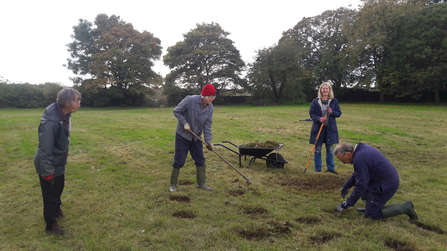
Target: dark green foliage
175	94
397	48
205	55
276	75
27	95
419	57
114	60
323	46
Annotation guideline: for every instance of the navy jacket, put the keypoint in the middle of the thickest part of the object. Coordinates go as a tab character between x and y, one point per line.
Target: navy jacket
52	152
315	114
373	172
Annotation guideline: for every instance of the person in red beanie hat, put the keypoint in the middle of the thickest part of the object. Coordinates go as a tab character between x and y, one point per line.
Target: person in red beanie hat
194	114
209	91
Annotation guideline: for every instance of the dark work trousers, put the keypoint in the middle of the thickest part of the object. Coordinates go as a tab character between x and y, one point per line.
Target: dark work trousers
376	201
183	146
51	194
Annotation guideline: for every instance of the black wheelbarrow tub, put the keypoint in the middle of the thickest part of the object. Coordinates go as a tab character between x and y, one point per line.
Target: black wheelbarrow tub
257	152
273	160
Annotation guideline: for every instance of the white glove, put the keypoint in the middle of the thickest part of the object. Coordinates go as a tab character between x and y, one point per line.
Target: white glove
187	128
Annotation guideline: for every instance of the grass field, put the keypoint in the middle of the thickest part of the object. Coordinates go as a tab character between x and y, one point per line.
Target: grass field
117	183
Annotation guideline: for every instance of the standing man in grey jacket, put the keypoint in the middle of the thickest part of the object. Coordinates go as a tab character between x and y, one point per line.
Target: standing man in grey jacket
52	152
194	114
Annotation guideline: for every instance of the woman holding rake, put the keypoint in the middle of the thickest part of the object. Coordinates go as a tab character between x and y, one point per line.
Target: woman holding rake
323	111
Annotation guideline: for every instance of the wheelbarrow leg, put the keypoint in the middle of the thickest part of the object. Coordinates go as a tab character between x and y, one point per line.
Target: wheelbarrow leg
252	161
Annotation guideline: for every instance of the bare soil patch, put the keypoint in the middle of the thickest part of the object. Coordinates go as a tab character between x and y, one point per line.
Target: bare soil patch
185	182
236	192
256	234
254	210
323	237
179	198
399	245
272	228
184	214
428	227
311	220
280	227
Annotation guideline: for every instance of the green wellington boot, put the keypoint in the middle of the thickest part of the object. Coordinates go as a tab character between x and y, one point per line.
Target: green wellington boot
397	209
174	178
200	173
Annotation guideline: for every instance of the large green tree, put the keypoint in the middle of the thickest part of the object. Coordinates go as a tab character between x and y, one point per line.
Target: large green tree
112	58
206	55
419	58
276	75
377	29
324	41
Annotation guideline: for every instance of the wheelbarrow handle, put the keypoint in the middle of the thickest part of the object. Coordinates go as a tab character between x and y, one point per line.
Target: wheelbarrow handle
228	148
226	141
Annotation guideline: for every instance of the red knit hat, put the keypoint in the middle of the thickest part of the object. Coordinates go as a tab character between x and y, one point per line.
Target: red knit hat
209	90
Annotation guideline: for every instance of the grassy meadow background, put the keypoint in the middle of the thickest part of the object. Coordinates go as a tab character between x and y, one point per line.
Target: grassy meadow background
117	197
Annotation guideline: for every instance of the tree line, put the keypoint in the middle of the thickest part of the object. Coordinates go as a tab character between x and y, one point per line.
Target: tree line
393	48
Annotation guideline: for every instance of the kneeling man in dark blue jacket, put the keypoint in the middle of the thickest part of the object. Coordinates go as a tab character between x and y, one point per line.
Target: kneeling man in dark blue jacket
375	178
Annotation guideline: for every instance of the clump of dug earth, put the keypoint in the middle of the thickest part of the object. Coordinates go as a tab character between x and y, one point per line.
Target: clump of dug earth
267	144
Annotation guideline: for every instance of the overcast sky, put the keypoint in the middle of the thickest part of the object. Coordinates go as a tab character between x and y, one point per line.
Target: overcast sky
34	34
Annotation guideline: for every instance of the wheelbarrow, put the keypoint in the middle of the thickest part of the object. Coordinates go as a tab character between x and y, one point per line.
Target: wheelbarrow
273	160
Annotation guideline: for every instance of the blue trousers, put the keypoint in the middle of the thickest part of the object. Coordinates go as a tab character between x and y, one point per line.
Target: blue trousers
329	157
183	146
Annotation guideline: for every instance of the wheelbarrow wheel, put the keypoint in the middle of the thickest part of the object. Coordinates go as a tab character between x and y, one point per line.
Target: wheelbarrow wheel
275	160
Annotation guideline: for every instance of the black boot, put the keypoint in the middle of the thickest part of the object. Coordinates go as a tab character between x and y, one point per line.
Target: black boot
55	229
174	178
60	213
398	209
200	173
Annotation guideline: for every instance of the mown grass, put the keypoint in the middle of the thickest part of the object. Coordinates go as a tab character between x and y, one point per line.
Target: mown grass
117	180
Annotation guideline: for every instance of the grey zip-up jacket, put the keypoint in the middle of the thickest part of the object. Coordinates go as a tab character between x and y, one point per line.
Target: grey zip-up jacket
189	110
52	152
